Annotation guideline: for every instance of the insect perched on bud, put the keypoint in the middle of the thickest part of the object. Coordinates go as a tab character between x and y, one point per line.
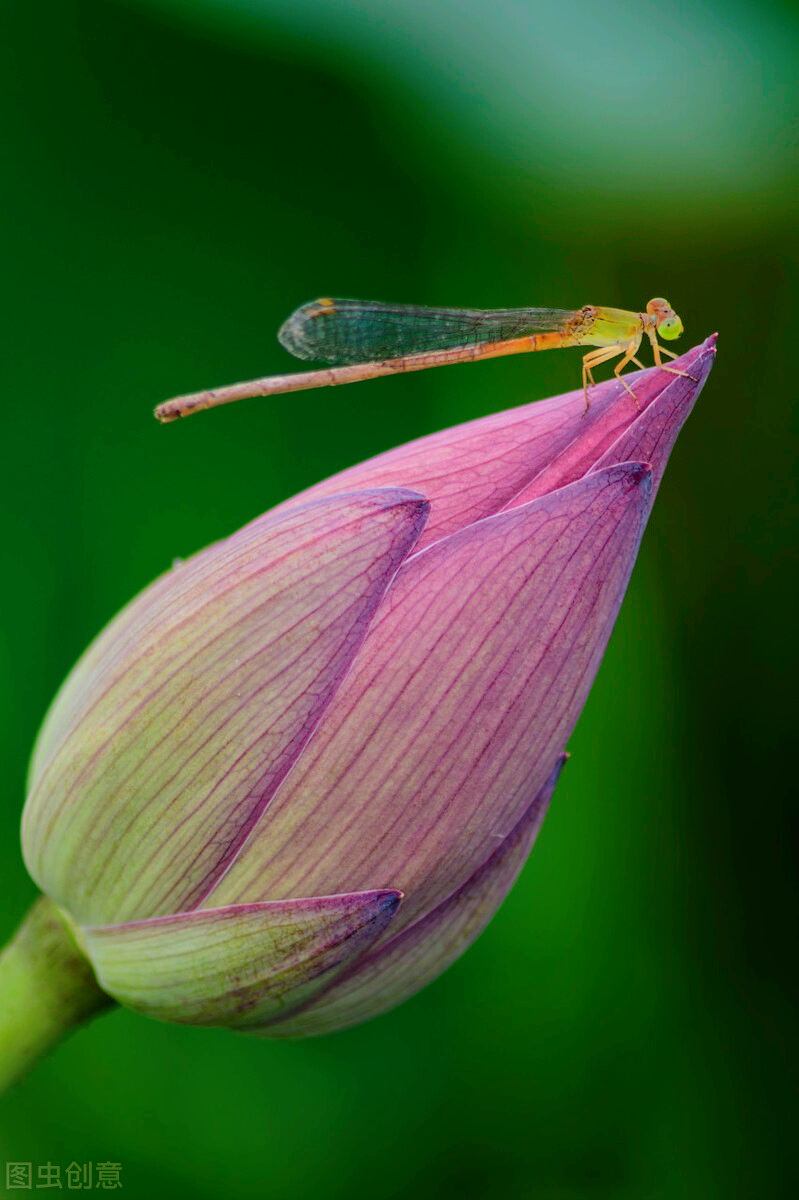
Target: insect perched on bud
295	777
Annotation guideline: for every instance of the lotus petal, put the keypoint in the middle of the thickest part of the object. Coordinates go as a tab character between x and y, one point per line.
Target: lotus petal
474	470
473	675
174	731
238	967
385	977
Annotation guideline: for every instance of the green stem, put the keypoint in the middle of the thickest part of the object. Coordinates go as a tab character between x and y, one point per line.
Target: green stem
47	987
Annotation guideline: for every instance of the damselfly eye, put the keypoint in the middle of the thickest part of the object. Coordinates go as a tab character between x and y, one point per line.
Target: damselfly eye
670	328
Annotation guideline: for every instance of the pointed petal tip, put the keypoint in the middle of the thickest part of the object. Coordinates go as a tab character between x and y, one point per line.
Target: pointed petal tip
381	900
708	346
702	355
389	900
639	474
382	499
240	966
558	767
391	497
545	795
414	505
400	495
629	475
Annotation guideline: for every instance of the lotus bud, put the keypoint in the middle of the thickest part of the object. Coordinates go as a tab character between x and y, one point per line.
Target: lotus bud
294	778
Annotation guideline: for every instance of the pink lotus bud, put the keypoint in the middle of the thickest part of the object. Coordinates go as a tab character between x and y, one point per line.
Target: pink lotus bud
296	776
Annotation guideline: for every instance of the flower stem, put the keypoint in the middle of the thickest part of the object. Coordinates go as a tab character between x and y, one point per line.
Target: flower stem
47	987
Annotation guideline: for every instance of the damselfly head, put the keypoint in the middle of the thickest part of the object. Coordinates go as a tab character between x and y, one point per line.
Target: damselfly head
667	323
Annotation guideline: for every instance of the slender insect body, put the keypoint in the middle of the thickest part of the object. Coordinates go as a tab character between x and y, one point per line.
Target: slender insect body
364	339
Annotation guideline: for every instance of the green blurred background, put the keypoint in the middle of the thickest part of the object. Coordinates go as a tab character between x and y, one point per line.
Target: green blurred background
179	176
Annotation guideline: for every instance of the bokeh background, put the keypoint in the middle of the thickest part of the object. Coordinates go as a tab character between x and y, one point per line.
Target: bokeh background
179	176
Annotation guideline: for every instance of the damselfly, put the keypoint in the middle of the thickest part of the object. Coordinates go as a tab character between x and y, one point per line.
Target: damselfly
363	339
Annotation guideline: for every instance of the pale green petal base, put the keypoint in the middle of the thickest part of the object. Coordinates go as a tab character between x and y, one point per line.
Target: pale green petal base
47	988
239	967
